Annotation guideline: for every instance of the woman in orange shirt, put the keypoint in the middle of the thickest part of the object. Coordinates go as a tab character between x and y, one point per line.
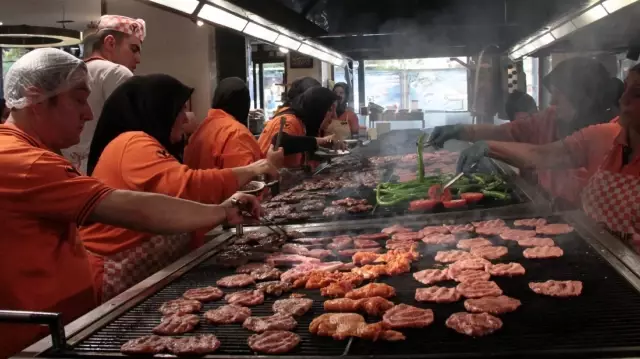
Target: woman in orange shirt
345	125
135	142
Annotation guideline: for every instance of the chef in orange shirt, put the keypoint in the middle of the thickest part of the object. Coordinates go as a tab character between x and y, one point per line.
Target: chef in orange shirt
303	120
582	93
223	140
611	151
43	198
134	148
345	125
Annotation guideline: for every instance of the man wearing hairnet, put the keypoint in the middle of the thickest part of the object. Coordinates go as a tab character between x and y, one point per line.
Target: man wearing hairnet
43	198
113	52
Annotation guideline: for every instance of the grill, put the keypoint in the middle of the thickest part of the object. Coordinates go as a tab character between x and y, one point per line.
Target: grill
603	322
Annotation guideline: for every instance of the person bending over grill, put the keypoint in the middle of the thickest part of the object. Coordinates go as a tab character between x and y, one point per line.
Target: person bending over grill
134	149
611	151
43	198
582	93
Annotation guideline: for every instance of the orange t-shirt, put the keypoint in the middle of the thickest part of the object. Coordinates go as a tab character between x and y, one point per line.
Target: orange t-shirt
293	126
601	146
221	142
136	161
43	266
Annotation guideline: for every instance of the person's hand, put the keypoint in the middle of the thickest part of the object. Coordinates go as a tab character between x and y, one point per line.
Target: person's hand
442	134
326	141
474	154
264	167
339	145
276	157
238	203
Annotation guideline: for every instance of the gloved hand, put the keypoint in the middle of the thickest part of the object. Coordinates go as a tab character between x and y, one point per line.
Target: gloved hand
474	154
442	134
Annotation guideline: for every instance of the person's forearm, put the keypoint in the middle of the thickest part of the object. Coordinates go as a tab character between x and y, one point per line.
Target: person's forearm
485	132
156	213
244	174
527	156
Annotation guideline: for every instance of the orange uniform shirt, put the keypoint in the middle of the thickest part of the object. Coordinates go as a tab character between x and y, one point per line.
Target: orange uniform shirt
293	126
600	146
43	265
221	142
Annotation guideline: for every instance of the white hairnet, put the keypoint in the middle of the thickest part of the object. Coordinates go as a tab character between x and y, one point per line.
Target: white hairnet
40	75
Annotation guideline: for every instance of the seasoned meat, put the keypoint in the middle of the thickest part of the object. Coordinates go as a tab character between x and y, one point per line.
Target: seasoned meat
461	228
298	216
475	325
478	289
275	288
312	206
361	258
150	344
246	298
531	222
176	324
557	288
543	252
516	234
506	269
341	326
407	316
206	294
372	306
365	243
197	345
471	275
236	281
266	274
227	314
360	208
489	223
250	267
373	236
439	239
372	290
554	229
492	305
275	322
292	306
341	242
349	202
371	271
336	289
303	269
473	243
407	236
180	306
536	242
437	294
452	256
490	252
274	342
321	279
434	230
333	211
353	251
431	276
279	212
396	228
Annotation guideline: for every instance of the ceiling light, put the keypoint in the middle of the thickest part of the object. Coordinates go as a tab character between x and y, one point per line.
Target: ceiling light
546	39
1	23
287	42
563	30
307	50
199	23
594	14
38	36
260	32
615	5
221	17
284	50
186	6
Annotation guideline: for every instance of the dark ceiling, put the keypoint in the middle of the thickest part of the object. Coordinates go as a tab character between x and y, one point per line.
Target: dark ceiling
376	29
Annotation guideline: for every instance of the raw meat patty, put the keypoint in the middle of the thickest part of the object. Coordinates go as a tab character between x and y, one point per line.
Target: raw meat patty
490	231
150	344
292	306
557	288
177	324
407	236
373	306
275	322
434	230
275	288
372	290
341	242
543	252
227	314
536	242
274	342
506	269
246	298
437	294
461	228
351	252
396	228
365	243
475	325
516	234
373	236
490	223
471	275
452	256
554	229
490	252
479	289
197	345
250	267
400	244
268	274
475	263
180	306
407	316
206	294
236	281
439	239
473	243
492	305
431	276
530	222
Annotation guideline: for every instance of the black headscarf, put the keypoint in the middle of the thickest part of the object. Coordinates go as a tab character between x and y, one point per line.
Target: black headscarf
312	106
590	89
143	103
299	86
342	105
519	101
232	96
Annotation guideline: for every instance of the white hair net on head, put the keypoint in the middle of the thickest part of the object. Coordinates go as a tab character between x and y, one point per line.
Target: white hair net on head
40	75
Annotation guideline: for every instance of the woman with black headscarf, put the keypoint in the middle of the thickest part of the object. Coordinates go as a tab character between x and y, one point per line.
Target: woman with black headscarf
303	120
223	139
134	148
345	125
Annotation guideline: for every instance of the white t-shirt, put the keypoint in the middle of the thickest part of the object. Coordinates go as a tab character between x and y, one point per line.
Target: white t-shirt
104	77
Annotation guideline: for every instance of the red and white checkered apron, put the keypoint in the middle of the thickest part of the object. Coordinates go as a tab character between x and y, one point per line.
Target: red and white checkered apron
128	268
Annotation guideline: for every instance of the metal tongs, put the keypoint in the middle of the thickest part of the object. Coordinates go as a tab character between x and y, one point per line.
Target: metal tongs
457	177
263	221
275	184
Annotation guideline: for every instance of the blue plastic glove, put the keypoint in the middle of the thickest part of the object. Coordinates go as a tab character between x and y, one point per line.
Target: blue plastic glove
474	154
442	134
